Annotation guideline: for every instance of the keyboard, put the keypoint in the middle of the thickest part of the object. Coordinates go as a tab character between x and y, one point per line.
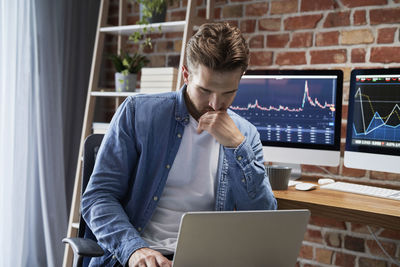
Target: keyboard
363	190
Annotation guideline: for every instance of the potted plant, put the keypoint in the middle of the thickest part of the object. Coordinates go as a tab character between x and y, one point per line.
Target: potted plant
127	68
151	11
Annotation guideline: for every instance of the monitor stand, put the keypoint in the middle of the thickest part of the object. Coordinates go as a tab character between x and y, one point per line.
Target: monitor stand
296	169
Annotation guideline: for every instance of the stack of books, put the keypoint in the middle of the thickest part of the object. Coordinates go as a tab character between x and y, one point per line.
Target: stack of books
158	80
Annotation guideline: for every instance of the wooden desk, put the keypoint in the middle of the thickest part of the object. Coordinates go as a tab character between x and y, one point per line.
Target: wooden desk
343	206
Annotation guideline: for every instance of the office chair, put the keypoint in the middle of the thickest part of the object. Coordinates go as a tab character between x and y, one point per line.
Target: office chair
84	246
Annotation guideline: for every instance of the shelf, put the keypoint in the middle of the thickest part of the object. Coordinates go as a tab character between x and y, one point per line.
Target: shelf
126	94
113	94
172	26
75	225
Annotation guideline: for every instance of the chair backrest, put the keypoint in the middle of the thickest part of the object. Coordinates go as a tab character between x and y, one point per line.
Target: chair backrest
91	147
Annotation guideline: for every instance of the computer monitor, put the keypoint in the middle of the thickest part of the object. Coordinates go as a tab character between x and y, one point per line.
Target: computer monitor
373	124
297	113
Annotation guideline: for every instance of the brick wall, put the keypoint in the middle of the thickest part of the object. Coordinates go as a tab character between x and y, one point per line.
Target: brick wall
299	34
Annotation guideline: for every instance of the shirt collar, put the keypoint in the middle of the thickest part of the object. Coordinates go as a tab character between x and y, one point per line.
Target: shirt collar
181	112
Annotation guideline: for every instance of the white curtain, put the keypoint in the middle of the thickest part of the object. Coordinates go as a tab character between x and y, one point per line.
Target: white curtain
33	208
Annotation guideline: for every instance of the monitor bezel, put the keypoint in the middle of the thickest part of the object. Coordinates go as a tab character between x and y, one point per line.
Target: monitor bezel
360	148
338	113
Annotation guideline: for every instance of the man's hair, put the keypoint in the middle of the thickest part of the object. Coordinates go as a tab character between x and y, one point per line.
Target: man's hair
218	46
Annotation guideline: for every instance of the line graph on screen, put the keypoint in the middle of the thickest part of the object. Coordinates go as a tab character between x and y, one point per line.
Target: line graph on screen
376	118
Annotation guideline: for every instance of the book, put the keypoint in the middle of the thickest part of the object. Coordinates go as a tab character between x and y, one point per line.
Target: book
161	71
157	84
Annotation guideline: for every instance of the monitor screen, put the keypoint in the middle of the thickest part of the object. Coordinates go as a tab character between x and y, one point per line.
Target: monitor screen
373	124
297	113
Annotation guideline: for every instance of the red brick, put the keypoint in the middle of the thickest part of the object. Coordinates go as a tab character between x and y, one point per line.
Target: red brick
269	24
333	239
130	20
367	262
306	252
165	46
345	110
201	12
359	36
277	40
260	58
354	243
358	55
357	3
313	236
344	260
386	35
301	39
256	9
229	11
390	233
323	255
312	168
385	54
382	16
171	35
178	15
362	228
359	17
387	176
302	22
350	172
257	41
374	248
328	56
284	6
173	61
327	38
337	19
217	13
291	58
247	26
312	5
327	222
343	129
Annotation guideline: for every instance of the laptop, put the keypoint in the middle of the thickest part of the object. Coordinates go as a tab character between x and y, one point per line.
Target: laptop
240	238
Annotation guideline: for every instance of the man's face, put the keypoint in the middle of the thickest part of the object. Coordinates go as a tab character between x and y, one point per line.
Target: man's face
210	90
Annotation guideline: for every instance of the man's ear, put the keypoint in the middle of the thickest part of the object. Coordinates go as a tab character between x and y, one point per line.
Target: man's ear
185	74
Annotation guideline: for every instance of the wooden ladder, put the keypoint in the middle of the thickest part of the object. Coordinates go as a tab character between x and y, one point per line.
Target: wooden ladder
94	92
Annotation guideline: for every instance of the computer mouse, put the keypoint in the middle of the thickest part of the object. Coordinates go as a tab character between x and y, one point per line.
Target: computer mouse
325	181
305	186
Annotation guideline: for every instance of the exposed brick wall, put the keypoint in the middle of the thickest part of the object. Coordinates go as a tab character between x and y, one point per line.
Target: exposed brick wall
300	34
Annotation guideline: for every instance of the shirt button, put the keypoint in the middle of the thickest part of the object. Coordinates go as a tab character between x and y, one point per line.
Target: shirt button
239	158
179	135
168	166
113	257
243	180
155	198
186	120
178	118
140	229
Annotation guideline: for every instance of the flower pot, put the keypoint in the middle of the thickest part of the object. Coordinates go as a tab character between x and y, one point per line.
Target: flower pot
125	83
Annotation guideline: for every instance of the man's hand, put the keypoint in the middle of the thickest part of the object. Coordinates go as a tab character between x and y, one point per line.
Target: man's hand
146	257
221	127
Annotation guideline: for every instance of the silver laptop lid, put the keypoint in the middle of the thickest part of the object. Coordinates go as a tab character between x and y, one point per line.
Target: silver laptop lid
241	238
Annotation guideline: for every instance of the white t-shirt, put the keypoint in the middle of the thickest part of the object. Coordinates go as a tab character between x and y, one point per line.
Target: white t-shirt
191	186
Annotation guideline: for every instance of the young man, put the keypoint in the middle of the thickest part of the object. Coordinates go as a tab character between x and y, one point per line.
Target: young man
171	153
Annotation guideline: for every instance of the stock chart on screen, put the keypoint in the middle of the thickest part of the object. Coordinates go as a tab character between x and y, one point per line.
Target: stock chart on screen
376	111
289	109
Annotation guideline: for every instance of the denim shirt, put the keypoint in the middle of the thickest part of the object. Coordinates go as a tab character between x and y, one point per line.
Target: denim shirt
132	166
